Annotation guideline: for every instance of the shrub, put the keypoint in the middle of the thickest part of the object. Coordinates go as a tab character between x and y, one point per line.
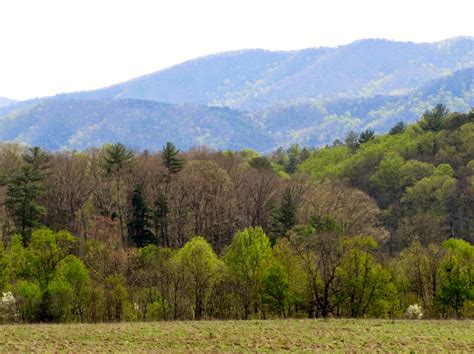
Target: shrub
414	312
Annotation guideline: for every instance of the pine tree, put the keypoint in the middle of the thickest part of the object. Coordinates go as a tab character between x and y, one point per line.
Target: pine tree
139	225
434	120
366	136
285	216
171	161
24	191
398	128
117	157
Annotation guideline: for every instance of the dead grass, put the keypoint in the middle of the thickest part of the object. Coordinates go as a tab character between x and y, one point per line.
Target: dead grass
243	336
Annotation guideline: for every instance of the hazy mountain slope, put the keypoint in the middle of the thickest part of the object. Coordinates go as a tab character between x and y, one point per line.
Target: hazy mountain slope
5	102
58	123
76	124
253	79
322	122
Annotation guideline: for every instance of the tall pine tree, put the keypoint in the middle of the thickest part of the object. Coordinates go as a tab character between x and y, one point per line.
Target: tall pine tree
24	191
139	224
171	161
285	217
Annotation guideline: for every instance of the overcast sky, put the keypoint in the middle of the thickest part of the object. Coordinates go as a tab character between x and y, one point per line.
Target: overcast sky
54	46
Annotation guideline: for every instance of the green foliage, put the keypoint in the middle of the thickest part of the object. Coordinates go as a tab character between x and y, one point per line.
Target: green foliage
24	191
276	288
456	274
117	157
352	140
171	161
140	220
364	282
29	298
434	120
398	128
325	162
285	215
366	136
247	259
200	264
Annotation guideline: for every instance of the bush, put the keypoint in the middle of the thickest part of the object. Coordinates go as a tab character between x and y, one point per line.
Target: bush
414	312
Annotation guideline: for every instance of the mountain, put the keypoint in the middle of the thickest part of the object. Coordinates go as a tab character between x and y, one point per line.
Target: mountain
256	79
5	102
66	122
79	124
319	123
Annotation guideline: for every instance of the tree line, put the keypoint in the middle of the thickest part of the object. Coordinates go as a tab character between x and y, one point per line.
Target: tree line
366	227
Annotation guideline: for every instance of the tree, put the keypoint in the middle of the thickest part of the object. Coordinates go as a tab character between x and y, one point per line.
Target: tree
286	214
418	274
140	220
456	273
160	218
294	158
24	191
352	140
171	161
117	158
67	291
363	282
321	252
247	258
366	136
434	120
260	163
276	288
398	128
200	264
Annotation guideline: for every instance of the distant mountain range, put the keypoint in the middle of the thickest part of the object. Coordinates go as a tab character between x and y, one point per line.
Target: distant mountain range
256	98
5	102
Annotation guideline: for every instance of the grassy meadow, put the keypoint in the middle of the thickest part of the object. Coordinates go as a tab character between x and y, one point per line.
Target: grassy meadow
271	335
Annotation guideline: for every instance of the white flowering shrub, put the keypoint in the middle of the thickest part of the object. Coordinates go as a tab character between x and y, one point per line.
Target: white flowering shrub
414	312
7	307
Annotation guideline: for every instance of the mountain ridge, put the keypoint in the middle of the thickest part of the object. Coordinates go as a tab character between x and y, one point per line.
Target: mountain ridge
64	122
256	78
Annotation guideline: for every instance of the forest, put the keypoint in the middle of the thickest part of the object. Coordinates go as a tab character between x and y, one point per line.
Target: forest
369	226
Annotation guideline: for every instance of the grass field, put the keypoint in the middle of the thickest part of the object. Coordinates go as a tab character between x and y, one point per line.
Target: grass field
278	335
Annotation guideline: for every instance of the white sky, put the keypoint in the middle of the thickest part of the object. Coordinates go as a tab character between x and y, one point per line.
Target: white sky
54	46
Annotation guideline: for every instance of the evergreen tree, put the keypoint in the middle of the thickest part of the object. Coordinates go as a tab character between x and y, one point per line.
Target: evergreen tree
398	128
171	161
434	120
116	158
24	191
366	136
260	163
285	215
294	153
139	225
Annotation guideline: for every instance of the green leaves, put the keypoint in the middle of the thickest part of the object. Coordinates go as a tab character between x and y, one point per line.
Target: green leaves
456	274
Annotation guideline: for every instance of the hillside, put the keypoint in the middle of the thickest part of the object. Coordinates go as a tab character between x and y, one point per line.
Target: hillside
254	79
319	123
61	122
4	102
78	124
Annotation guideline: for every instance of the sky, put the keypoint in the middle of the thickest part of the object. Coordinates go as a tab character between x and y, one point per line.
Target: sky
56	46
